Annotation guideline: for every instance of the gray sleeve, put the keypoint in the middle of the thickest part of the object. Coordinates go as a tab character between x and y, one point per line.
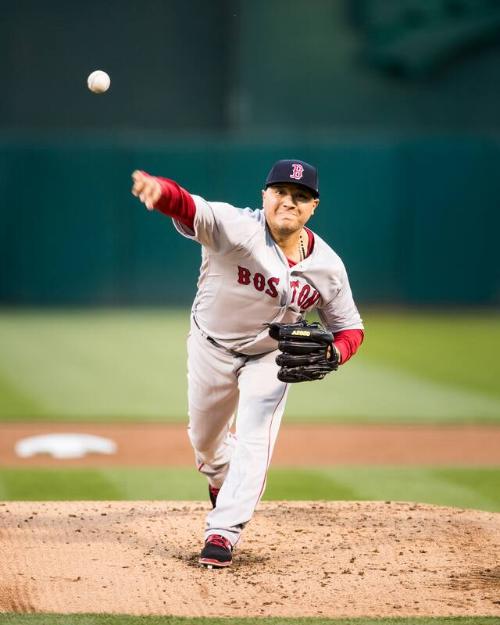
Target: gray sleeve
219	226
341	313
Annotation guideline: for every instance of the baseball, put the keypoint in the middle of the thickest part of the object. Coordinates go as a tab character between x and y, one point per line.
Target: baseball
98	81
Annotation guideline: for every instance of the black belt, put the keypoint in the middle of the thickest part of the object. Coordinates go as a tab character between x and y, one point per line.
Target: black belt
218	345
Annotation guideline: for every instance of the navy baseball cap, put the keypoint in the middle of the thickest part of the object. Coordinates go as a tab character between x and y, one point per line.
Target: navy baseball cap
295	172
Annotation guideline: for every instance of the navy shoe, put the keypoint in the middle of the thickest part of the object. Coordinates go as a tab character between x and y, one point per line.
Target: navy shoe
217	552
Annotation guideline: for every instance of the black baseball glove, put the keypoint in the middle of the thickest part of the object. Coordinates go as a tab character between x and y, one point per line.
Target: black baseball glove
307	352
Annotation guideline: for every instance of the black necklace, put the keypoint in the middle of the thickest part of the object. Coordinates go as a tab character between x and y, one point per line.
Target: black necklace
302	249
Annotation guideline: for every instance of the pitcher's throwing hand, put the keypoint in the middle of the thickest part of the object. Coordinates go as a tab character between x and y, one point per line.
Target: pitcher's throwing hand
146	188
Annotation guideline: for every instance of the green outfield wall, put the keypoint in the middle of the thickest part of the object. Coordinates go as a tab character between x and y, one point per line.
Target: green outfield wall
396	102
416	221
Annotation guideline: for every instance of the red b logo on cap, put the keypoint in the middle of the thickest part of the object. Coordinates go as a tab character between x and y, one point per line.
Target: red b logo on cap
298	171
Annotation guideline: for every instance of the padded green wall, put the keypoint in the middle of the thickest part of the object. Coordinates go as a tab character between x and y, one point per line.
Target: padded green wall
415	221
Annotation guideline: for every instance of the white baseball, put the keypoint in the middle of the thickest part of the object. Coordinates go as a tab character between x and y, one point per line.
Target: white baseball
98	81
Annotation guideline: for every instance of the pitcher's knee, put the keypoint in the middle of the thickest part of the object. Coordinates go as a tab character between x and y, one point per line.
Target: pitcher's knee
203	444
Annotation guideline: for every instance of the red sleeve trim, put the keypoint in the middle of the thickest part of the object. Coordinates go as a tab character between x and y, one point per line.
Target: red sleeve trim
347	342
176	202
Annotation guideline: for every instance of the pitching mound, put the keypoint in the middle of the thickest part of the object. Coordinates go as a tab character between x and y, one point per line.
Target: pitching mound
296	559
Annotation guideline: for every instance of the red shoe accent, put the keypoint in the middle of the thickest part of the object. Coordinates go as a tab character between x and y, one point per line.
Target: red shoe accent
220	541
213	492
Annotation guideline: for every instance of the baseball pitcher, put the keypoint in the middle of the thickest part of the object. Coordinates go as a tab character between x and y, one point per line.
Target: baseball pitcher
261	272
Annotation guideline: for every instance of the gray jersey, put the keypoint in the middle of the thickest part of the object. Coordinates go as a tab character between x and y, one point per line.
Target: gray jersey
245	280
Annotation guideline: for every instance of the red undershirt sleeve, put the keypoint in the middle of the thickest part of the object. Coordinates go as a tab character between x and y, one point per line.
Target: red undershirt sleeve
347	342
175	202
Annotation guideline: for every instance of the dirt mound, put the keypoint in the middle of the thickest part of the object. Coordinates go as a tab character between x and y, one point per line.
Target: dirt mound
296	559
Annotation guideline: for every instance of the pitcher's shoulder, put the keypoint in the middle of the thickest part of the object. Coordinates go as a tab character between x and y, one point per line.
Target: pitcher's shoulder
325	254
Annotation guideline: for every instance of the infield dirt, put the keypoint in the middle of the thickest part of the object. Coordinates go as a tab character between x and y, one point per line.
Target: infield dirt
297	559
327	559
297	445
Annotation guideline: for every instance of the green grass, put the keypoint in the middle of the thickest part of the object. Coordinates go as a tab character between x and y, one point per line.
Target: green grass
131	366
104	619
92	365
457	349
458	487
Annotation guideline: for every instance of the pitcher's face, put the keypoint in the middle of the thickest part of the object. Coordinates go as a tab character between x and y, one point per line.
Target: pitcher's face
287	207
